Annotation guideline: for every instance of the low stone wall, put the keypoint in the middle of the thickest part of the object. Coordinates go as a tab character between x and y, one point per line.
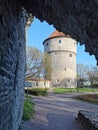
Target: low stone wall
89	120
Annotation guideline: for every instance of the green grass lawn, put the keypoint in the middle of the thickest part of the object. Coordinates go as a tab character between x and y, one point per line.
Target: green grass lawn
70	90
28	110
93	98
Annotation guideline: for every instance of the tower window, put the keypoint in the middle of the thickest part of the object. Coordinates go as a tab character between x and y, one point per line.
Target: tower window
47	43
60	41
68	80
55	53
70	55
65	69
58	80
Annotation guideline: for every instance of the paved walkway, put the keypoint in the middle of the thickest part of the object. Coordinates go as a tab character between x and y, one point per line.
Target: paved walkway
57	112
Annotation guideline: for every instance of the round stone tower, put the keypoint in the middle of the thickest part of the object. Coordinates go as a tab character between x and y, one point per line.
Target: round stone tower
62	49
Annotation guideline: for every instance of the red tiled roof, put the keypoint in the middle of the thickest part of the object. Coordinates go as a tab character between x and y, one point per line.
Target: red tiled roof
56	33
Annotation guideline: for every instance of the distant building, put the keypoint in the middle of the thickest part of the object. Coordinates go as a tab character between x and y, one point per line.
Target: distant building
62	49
37	83
83	83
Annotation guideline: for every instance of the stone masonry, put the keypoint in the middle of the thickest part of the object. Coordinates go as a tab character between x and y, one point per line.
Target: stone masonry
78	18
62	50
12	64
88	119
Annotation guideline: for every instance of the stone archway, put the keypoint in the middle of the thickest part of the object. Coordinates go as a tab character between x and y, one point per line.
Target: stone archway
75	17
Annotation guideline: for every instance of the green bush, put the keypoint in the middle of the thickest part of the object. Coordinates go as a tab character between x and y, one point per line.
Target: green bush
37	91
95	85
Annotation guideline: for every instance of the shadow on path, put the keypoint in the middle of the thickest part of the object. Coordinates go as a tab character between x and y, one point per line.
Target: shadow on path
57	112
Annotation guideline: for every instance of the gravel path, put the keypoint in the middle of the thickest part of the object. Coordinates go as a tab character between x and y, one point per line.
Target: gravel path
57	112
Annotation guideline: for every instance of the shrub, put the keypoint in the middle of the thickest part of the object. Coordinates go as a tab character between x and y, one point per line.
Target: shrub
28	110
95	85
37	91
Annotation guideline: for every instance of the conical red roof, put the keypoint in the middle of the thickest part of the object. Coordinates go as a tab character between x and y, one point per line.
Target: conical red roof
56	33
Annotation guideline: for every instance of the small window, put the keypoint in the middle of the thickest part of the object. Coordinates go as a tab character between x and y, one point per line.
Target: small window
68	80
65	69
60	41
36	83
70	55
55	53
58	80
47	43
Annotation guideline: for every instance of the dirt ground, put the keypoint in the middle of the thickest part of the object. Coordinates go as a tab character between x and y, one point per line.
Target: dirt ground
57	112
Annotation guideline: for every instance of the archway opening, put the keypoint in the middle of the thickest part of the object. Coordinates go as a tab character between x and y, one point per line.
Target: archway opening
39	31
41	47
84	57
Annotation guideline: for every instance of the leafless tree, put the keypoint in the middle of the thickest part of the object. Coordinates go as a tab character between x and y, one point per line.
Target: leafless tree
82	71
93	74
87	72
34	59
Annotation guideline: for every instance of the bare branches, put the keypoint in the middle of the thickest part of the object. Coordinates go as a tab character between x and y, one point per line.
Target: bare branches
34	60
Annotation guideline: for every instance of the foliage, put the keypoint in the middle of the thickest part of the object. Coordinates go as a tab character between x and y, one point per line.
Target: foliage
95	85
71	90
89	97
28	110
38	91
47	66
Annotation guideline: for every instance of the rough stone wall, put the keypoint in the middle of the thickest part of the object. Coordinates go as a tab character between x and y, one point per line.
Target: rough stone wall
12	64
63	65
88	119
79	18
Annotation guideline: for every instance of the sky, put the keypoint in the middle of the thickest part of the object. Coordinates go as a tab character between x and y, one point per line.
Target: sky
39	31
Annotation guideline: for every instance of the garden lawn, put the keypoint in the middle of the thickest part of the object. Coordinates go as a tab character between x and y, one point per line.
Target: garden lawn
71	90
